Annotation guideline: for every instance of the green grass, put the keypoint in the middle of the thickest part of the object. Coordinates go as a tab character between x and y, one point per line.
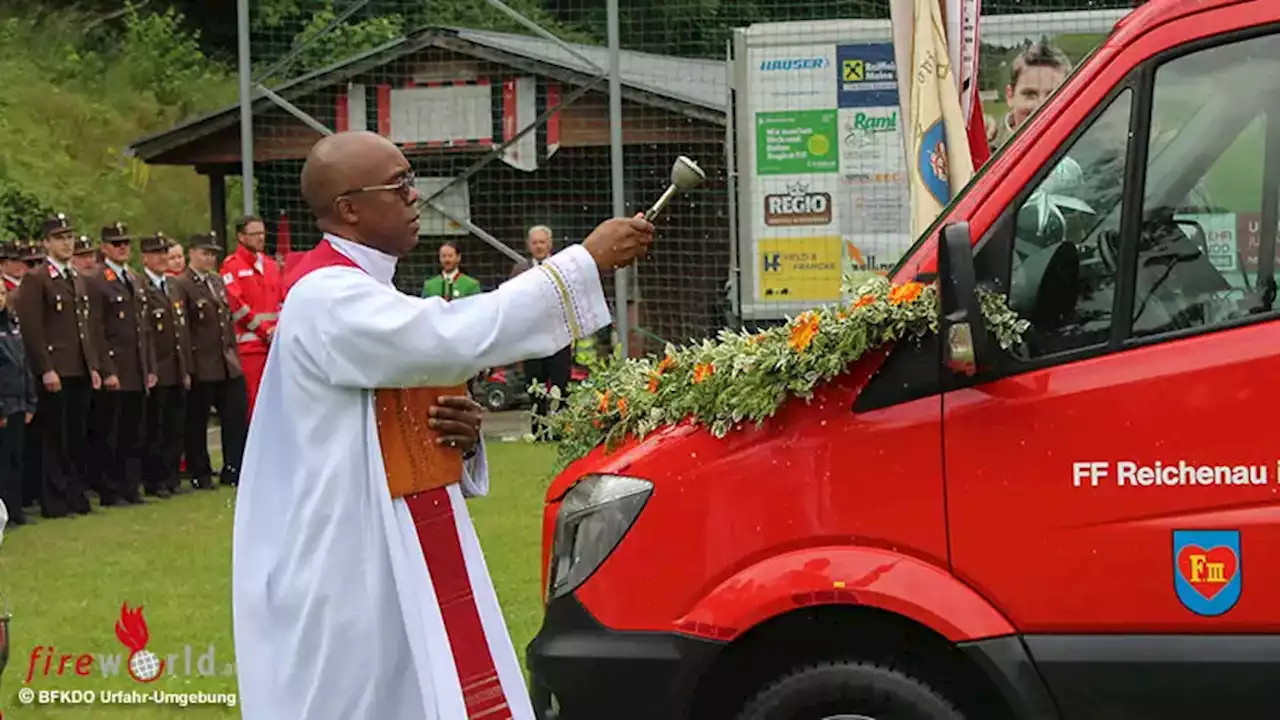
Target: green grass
65	581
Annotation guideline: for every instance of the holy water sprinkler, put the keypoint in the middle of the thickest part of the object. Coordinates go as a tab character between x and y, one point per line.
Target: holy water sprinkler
685	175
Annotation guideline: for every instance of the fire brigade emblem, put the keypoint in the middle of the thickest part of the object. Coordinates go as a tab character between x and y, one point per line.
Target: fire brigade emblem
1207	570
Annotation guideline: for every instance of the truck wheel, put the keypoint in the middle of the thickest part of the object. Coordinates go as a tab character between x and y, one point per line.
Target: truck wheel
848	690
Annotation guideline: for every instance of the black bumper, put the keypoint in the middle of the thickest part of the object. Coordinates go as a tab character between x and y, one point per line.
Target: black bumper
581	670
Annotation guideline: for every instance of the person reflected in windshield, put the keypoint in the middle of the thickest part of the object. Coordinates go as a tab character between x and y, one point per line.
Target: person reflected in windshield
1036	73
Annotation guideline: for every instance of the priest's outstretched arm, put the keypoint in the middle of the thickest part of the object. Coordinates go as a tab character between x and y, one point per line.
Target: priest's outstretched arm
374	336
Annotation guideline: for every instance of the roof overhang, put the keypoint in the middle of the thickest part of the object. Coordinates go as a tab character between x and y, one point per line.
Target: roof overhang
147	149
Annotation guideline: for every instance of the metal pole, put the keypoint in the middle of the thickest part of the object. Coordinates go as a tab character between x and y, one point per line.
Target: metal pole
622	321
246	105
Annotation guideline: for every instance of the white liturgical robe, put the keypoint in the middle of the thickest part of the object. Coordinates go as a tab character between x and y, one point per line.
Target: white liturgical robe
335	605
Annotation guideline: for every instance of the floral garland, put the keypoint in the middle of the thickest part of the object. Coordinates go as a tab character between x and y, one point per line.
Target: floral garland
741	377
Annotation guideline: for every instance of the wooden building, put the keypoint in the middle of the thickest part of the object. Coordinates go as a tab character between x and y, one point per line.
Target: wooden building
450	98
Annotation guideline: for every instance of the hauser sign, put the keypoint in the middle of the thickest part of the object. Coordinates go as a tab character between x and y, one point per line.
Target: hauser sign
793	64
797	206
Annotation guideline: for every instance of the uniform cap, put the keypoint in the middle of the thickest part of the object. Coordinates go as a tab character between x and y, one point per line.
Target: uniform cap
31	251
84	246
205	241
155	243
115	233
56	224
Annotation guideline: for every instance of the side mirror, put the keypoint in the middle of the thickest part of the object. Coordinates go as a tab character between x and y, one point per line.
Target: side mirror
960	322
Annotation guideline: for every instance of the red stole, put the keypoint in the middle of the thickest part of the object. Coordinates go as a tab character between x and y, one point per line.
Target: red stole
437	528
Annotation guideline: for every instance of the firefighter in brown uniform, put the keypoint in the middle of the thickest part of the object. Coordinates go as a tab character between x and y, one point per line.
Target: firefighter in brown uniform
84	263
165	414
117	298
216	376
53	311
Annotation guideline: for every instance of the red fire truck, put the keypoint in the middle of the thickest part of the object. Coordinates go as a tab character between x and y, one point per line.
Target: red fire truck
955	530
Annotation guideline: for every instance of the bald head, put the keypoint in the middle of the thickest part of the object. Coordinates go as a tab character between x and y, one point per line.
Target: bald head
343	162
356	184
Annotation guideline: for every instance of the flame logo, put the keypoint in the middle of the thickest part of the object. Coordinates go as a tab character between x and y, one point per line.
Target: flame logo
131	628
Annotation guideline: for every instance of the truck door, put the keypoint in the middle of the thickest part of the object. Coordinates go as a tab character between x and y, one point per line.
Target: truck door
1113	485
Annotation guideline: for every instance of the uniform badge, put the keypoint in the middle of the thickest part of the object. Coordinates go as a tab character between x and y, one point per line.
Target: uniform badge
110	275
53	271
1207	570
228	278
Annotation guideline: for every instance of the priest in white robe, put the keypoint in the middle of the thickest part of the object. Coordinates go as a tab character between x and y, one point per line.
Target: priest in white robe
349	603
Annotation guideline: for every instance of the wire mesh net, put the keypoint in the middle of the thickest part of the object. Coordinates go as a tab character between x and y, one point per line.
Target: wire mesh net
790	108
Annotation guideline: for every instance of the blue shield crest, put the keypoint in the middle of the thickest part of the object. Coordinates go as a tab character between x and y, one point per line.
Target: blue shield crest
1208	570
931	162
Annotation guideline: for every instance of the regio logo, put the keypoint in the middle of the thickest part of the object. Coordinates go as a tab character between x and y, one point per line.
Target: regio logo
797	206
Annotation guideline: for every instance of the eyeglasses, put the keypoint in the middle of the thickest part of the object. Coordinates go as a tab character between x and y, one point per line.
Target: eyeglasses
405	187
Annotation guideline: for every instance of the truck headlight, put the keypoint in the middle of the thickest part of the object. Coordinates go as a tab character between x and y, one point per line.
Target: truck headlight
593	518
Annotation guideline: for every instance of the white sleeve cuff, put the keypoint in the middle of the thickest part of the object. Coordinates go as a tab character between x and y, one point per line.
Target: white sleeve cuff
475	474
576	278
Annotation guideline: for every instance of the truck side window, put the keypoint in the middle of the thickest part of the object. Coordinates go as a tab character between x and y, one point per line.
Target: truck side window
1063	274
1202	197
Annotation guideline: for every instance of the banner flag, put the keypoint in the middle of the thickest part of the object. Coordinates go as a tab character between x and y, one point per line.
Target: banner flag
939	162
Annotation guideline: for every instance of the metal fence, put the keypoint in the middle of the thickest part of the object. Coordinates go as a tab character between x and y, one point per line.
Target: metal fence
504	112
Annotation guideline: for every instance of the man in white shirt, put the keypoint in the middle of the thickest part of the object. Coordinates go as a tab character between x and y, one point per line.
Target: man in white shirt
353	601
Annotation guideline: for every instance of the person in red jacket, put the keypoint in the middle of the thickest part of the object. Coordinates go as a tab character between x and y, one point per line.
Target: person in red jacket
254	294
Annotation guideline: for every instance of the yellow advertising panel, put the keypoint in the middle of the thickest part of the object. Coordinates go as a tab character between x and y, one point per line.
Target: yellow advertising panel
800	269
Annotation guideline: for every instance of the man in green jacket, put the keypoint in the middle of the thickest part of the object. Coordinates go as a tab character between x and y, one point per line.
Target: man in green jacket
451	283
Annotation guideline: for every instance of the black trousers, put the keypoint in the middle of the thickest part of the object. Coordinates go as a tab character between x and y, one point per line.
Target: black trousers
231	400
12	449
63	432
554	370
116	458
101	438
32	462
165	418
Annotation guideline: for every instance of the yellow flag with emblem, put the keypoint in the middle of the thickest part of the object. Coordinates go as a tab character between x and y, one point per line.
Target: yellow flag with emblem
939	161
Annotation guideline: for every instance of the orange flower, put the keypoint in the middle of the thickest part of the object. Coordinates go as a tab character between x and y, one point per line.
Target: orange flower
655	377
863	301
803	332
622	405
702	371
905	293
603	407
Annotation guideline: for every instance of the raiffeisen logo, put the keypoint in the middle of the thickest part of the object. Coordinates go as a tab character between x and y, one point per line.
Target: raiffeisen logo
794	64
